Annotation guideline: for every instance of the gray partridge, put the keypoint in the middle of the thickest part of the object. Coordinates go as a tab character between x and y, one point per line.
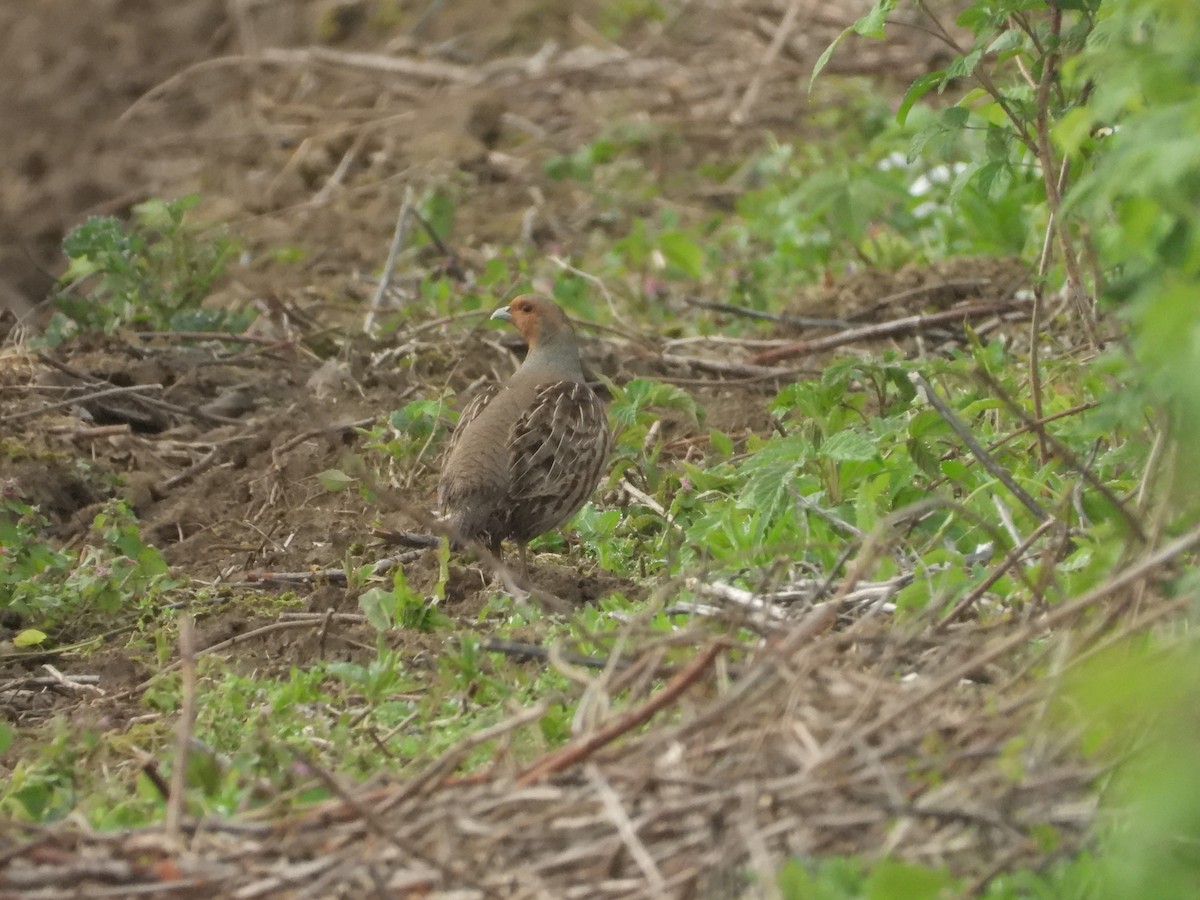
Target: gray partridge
526	456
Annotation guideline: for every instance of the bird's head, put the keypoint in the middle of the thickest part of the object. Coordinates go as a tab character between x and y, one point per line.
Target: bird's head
539	320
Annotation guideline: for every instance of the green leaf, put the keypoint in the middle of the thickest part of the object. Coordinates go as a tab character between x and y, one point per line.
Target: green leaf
204	771
923	138
1007	41
683	253
6	737
962	66
867	506
439	211
848	446
418	419
334	480
99	234
380	607
35	798
642	394
770	473
954	469
918	89
921	453
30	637
826	55
871	25
955	116
891	879
154	212
721	442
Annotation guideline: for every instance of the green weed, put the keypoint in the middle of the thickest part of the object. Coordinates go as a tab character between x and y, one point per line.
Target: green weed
113	577
152	273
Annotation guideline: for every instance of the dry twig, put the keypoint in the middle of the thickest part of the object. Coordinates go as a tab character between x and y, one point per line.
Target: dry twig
183	736
894	328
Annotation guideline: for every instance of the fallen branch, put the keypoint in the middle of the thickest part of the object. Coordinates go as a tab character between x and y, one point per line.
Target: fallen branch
197	468
225	336
134	393
183	734
523	650
277	56
958	286
299	439
332	576
894	328
784	30
761	316
406	538
581	749
986	459
71	682
727	368
81	398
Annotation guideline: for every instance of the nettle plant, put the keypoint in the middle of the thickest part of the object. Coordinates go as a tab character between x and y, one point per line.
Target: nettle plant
1098	101
1102	99
412	435
1021	80
859	446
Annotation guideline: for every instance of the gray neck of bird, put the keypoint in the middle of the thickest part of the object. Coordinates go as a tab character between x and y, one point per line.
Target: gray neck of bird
555	360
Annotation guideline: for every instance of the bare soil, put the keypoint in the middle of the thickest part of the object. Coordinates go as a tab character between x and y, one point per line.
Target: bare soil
162	98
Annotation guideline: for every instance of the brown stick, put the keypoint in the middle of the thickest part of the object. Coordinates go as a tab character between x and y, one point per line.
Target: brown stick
1012	559
226	336
894	328
183	736
82	398
786	25
1059	615
581	749
399	239
1065	454
960	286
986	459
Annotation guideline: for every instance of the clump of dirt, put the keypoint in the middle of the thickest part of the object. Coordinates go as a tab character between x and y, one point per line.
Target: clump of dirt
52	483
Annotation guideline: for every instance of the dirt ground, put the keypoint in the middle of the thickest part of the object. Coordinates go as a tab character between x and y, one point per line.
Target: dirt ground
301	124
257	105
296	148
288	120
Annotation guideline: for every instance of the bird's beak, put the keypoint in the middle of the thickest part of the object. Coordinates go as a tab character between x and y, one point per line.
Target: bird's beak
502	313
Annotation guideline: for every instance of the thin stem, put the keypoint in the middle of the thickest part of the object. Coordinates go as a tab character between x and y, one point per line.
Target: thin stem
1075	281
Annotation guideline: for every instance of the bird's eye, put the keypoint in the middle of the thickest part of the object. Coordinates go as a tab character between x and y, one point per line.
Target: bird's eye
526	307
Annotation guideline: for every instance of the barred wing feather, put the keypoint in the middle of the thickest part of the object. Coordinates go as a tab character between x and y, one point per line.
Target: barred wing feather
558	448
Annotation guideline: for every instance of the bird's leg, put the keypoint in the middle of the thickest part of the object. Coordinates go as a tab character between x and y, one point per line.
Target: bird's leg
524	562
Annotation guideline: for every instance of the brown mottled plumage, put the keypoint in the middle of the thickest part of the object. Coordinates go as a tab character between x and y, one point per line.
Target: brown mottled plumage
526	455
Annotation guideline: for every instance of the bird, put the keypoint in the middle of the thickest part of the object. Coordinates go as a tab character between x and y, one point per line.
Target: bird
526	455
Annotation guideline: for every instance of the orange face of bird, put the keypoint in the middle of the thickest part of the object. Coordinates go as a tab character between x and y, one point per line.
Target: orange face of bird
529	314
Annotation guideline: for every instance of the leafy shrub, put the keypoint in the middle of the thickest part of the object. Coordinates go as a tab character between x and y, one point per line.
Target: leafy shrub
1101	98
153	272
